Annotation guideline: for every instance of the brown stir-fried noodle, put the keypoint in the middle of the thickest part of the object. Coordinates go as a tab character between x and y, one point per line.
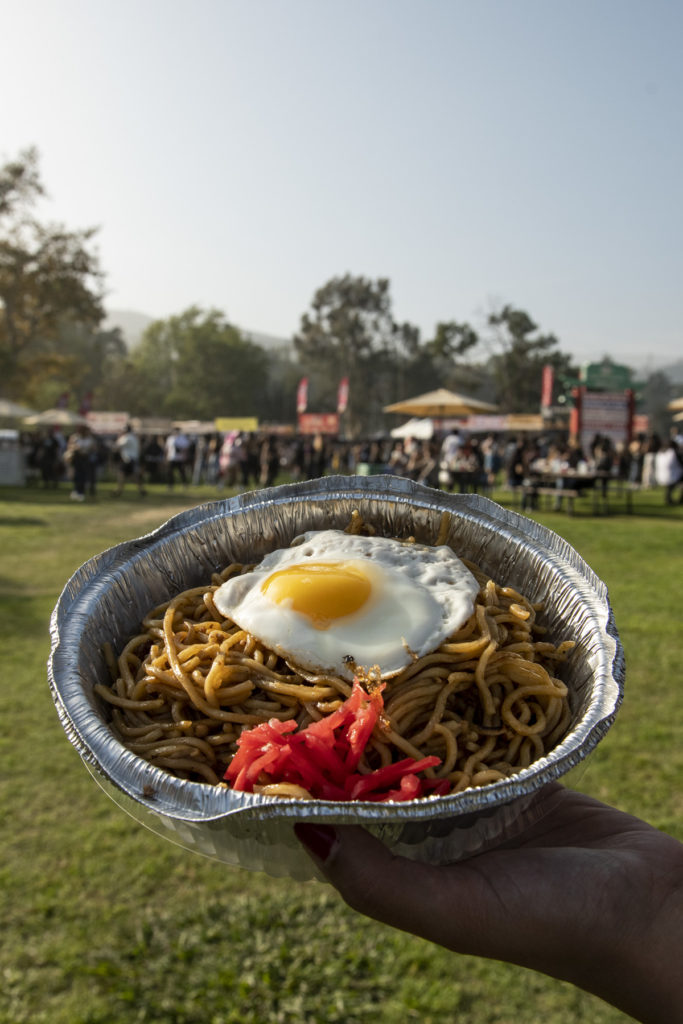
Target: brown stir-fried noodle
487	701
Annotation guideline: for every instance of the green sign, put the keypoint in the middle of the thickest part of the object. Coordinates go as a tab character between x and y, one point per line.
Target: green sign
606	376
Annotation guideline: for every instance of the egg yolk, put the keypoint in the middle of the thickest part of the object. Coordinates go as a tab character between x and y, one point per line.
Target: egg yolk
322	591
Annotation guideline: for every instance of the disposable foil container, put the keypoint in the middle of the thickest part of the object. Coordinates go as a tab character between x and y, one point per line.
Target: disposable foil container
105	600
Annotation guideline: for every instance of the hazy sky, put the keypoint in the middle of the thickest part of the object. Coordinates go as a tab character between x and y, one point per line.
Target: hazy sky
476	152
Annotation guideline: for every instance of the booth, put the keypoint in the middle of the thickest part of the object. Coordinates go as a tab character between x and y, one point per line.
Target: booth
12	464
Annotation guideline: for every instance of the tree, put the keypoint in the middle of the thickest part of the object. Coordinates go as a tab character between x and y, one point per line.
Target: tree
451	340
517	368
280	389
78	361
350	332
196	365
48	275
438	362
654	396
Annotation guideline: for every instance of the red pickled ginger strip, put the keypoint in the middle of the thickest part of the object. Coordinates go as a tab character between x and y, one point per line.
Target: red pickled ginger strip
323	757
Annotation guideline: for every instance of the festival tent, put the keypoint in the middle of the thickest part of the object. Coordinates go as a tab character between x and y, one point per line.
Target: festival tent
440	403
149	425
419	429
196	426
55	418
13	410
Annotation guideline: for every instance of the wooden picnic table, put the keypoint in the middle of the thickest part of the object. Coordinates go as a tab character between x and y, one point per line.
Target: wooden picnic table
567	486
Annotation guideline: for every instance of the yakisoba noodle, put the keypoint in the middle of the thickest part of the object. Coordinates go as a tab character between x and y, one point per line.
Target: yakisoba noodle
487	701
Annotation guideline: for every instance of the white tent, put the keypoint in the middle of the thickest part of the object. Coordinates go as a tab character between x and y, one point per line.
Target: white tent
420	429
56	418
13	410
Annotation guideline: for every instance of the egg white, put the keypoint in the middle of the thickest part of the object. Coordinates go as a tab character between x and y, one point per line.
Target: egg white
419	596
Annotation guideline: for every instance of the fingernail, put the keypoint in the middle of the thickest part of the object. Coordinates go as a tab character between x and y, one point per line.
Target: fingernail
319	839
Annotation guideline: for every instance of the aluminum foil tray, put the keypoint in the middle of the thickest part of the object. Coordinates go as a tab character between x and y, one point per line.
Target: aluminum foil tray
108	596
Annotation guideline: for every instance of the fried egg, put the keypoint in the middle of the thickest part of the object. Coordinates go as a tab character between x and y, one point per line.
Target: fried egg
334	601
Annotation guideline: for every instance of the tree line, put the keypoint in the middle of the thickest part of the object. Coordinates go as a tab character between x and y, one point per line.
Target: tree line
197	365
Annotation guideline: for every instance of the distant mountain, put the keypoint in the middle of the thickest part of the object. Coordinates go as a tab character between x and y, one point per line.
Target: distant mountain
133	325
268	341
674	371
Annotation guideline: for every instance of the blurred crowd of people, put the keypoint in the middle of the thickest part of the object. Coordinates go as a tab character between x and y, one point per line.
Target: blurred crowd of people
646	462
240	459
236	459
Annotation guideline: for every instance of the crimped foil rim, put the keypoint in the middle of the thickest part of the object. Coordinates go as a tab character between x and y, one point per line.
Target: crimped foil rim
71	672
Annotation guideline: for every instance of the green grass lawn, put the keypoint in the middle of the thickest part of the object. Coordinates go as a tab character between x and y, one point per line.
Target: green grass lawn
102	921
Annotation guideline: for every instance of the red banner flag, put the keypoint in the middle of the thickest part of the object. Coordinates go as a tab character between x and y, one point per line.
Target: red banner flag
547	382
343	395
302	395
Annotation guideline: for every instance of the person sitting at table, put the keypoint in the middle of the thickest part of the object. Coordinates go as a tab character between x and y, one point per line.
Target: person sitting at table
565	467
575	455
604	457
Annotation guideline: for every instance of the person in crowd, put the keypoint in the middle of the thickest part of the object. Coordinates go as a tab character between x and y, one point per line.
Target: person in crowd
198	459
492	462
448	457
269	461
652	446
51	457
309	458
340	458
297	462
636	451
669	471
576	458
604	456
128	461
230	458
469	466
514	463
318	456
357	450
251	463
152	454
81	457
594	445
622	464
32	447
399	456
176	451
580	891
423	463
211	458
527	453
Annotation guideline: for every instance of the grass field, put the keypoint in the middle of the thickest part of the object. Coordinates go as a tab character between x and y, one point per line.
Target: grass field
102	921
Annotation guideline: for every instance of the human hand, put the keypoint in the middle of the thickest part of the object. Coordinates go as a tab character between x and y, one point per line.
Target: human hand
585	893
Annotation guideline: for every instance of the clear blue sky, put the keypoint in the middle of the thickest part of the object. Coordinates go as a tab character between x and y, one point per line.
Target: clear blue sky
476	152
